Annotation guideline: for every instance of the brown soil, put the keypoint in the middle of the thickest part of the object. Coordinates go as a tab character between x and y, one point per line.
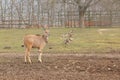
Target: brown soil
60	67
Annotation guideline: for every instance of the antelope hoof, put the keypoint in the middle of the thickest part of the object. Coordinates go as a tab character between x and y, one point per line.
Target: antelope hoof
40	61
25	62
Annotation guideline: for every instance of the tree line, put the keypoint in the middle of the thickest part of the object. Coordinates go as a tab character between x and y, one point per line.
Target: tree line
33	12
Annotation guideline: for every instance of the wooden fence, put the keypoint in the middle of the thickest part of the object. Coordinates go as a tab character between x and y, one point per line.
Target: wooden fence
68	19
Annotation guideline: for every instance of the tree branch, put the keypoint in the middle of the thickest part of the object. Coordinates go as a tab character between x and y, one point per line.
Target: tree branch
95	3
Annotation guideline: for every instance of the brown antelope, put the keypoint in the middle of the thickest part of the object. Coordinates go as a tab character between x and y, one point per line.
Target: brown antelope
35	41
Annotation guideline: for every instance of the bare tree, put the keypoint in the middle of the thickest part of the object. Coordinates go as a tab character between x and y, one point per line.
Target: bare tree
110	4
83	5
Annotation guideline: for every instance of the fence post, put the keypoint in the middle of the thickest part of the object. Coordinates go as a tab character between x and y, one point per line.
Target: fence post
111	18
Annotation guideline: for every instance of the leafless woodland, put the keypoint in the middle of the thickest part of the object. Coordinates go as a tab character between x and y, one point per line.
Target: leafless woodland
59	13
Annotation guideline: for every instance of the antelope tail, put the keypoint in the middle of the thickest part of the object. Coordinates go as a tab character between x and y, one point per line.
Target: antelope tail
22	45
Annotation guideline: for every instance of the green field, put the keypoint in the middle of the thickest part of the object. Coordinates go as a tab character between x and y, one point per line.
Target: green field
85	40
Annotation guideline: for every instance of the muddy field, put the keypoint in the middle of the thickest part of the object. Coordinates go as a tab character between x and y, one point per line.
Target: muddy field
61	67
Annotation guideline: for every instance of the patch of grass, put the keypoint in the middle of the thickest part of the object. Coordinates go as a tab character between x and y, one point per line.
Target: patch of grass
85	40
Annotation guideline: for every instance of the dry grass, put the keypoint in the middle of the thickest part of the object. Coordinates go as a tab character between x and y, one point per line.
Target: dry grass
85	40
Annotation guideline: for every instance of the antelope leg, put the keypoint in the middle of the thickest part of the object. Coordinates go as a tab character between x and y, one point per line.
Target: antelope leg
40	56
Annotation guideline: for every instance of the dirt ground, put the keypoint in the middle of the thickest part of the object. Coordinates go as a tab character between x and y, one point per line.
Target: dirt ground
61	67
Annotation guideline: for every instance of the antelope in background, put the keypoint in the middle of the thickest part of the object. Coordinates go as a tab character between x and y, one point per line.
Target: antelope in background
35	41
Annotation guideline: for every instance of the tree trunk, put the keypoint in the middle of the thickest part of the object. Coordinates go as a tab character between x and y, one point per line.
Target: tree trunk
82	21
81	17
